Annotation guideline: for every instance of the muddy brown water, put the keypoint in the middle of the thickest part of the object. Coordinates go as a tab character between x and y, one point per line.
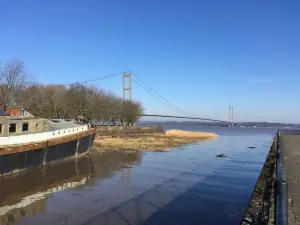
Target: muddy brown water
186	186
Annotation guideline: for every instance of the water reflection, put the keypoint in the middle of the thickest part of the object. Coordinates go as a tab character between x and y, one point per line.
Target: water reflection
26	193
108	164
186	186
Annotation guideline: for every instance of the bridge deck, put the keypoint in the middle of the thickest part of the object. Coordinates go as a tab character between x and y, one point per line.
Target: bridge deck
290	145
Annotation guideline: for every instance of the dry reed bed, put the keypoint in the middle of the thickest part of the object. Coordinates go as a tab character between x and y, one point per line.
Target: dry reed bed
152	142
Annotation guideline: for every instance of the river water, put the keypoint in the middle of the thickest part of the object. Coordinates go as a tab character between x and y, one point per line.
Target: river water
186	186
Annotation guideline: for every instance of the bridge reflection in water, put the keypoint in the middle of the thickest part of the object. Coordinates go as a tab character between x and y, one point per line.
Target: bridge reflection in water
26	194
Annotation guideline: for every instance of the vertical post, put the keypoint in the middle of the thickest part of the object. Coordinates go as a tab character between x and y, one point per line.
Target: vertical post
22	112
90	144
232	116
77	145
128	174
229	116
124	88
90	165
45	154
76	166
130	86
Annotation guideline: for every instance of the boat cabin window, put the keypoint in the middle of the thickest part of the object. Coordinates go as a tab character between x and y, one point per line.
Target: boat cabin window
12	128
36	126
1	128
25	127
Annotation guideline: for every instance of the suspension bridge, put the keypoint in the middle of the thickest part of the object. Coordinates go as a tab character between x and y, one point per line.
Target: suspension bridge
129	78
184	117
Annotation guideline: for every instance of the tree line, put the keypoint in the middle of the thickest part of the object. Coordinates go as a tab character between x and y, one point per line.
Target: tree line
64	101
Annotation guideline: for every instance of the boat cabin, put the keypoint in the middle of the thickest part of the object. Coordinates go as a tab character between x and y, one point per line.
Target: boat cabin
18	125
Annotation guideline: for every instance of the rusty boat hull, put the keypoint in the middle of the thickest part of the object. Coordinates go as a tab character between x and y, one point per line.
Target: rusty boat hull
18	158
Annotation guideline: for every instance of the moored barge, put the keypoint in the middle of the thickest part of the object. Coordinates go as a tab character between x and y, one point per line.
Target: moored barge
27	141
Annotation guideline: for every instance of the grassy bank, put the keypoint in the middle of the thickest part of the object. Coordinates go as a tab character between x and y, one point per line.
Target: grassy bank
149	142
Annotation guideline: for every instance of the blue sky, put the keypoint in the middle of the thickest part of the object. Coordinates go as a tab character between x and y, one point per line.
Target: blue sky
201	55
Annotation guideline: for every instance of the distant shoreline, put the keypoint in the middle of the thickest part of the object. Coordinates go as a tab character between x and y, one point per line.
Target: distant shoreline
216	124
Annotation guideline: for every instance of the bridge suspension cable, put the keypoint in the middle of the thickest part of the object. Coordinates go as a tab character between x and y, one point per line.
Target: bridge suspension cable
99	78
184	117
152	92
142	84
93	80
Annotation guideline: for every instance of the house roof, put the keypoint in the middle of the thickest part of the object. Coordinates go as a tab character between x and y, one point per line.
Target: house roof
15	111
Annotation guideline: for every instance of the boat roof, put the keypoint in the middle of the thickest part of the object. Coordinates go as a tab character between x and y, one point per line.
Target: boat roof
12	118
56	124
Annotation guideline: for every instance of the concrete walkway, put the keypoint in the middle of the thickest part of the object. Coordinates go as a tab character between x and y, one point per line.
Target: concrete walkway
290	145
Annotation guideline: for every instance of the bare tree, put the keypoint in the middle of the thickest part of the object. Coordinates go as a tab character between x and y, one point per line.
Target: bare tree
131	112
61	101
98	107
69	102
58	105
12	78
34	98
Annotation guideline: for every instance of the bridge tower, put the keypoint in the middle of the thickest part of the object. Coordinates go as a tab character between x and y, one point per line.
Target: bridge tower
127	76
230	119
